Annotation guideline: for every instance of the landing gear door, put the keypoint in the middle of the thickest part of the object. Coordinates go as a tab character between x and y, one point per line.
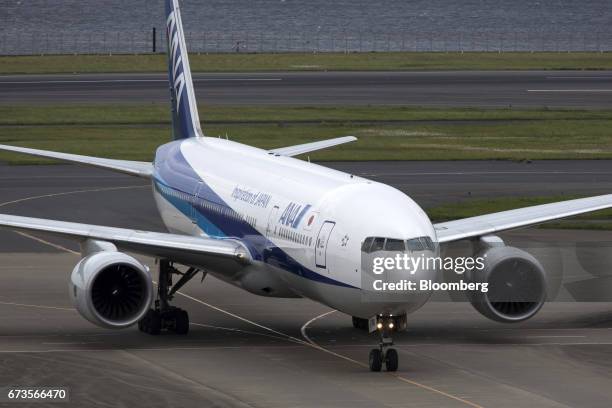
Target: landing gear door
321	244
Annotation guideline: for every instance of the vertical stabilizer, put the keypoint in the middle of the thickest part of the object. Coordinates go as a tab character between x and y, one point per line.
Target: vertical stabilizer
185	118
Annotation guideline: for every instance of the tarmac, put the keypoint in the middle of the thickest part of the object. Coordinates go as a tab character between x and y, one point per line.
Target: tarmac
245	350
579	89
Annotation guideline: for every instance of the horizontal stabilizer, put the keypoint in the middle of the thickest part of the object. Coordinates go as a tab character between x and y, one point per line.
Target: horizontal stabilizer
134	168
311	147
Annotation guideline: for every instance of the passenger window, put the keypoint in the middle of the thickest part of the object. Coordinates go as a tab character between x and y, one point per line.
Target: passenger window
378	244
365	247
394	245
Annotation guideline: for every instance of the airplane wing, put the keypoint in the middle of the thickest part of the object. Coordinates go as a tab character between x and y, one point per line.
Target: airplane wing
187	250
521	217
134	168
311	147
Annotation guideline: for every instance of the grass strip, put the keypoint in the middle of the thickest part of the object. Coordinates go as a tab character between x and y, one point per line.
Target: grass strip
370	61
134	131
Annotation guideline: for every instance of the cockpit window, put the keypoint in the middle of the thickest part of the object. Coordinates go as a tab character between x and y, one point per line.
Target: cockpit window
378	244
365	247
394	245
421	244
428	243
415	244
372	244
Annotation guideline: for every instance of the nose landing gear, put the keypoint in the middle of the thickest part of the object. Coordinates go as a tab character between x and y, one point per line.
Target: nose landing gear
385	353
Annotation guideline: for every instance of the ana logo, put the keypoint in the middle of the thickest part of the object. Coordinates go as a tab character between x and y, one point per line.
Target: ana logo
290	214
176	58
293	214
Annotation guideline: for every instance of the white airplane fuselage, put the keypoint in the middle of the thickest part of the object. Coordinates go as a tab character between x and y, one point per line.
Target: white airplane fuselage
302	223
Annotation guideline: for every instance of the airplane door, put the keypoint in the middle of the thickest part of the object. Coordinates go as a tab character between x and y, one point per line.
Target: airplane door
194	203
321	243
271	220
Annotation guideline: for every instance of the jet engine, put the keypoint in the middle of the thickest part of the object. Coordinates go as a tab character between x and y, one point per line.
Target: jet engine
111	289
516	285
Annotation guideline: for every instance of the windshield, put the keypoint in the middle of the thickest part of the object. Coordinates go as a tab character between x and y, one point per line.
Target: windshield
373	244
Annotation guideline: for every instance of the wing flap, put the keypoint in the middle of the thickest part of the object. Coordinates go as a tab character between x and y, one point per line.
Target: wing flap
521	217
134	168
313	146
194	251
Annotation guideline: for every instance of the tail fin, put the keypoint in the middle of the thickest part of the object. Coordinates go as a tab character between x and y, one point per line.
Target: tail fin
185	118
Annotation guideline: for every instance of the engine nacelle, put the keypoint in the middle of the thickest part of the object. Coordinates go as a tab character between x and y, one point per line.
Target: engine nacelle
111	289
516	285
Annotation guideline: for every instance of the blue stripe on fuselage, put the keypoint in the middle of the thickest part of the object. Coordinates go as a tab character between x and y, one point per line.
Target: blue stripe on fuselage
176	198
214	216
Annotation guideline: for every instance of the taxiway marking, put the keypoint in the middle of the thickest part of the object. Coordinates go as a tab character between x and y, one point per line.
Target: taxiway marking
570	90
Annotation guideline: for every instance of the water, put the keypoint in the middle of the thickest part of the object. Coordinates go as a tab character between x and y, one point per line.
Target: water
113	26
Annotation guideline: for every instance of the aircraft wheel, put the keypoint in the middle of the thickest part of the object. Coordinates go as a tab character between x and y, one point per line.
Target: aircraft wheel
143	324
375	360
391	360
181	325
150	323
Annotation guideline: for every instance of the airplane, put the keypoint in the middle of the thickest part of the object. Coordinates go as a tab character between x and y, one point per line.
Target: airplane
277	226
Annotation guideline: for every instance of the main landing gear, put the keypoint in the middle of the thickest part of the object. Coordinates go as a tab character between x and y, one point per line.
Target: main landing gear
384	354
165	317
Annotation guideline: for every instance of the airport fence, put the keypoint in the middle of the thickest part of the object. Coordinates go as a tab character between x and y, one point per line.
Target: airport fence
130	42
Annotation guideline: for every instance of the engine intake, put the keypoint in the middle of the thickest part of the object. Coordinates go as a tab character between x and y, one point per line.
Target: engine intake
516	285
111	289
